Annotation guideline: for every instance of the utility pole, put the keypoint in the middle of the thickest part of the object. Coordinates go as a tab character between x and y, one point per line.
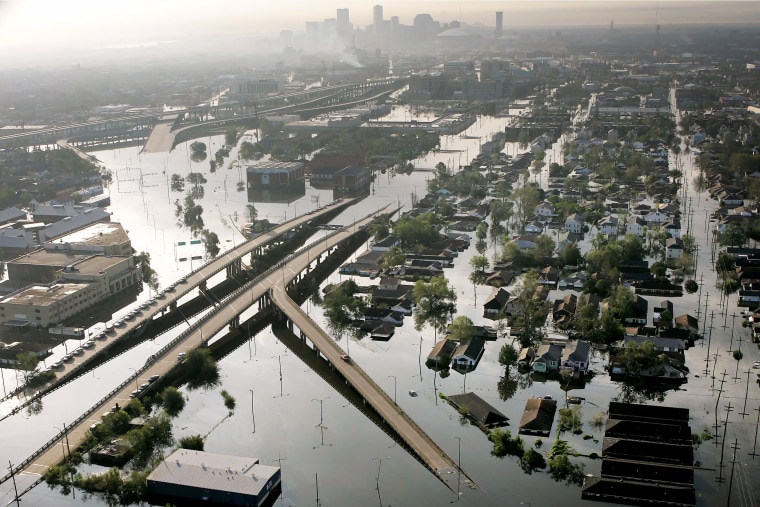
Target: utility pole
720	478
735	446
717	402
15	489
746	394
757	425
709	341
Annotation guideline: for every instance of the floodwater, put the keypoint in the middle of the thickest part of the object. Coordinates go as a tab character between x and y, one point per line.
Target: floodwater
297	420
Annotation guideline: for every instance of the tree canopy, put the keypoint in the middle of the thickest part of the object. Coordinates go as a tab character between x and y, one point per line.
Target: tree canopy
436	303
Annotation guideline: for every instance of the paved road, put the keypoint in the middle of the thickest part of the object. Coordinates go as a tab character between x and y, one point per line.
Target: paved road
427	450
161	139
163	361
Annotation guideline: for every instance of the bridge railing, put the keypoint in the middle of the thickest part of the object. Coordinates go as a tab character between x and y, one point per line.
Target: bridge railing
163	350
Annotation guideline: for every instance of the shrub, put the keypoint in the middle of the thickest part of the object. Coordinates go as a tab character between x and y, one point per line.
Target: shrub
194	442
504	444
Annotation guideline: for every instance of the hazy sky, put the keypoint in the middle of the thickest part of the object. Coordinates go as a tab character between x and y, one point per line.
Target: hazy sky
54	24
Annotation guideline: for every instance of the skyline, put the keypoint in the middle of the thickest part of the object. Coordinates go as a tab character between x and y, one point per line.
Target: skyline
91	24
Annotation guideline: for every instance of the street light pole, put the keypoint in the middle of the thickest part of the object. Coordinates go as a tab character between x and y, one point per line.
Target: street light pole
394	388
321	419
137	387
253	414
459	467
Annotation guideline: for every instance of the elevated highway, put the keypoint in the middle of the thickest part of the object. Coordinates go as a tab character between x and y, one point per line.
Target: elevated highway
167	301
266	290
148	119
31	471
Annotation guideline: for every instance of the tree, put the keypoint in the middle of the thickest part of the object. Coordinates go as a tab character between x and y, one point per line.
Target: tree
620	303
172	401
479	263
147	273
530	310
481	232
638	357
393	257
544	250
201	368
251	213
461	329
436	303
198	151
508	355
656	238
420	230
733	235
342	307
230	136
526	199
691	286
247	150
659	269
27	362
666	319
570	255
229	400
210	243
192	442
532	460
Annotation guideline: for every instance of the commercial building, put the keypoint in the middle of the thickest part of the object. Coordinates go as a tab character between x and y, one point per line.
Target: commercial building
214	478
275	174
254	88
68	276
351	180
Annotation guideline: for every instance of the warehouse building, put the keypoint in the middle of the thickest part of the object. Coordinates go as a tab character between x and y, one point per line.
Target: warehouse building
214	478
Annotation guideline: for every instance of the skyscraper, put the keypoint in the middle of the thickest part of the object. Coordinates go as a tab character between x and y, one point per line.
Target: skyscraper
499	20
344	25
377	18
342	16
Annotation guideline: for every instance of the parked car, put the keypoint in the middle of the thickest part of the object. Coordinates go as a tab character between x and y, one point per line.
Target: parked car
153	378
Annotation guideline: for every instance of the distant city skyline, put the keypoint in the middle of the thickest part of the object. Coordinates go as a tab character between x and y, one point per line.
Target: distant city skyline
45	26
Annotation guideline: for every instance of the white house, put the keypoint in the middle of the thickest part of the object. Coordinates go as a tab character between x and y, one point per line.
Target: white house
673	227
575	222
608	225
656	217
545	209
673	249
575	356
636	226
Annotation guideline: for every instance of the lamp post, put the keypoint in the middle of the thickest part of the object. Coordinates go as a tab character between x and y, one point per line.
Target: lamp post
136	384
66	437
377	479
394	388
459	466
253	414
321	418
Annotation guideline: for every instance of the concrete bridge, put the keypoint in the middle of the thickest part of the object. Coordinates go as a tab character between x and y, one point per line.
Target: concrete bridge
227	314
121	126
426	450
231	261
269	289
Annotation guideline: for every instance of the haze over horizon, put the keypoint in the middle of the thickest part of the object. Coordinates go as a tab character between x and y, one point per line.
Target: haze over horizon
30	29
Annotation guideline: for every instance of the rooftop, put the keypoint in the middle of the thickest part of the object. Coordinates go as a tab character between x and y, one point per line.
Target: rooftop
220	472
100	234
42	295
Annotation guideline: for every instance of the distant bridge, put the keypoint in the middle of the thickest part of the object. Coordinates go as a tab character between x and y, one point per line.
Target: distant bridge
136	123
